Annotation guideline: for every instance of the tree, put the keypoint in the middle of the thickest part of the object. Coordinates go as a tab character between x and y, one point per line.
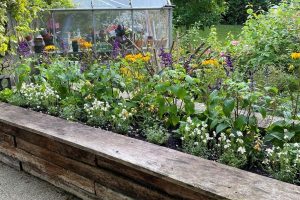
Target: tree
237	9
203	12
21	13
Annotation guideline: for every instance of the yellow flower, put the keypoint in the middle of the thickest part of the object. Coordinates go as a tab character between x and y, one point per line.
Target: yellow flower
295	56
125	71
213	62
50	48
138	57
86	45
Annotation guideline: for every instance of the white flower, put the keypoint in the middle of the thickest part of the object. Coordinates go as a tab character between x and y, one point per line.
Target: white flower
239	133
239	140
286	137
296	145
189	120
187	128
232	135
242	150
227	146
266	161
214	133
196	143
269	151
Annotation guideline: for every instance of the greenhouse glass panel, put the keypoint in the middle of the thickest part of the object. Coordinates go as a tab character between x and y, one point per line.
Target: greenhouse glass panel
111	4
106	23
89	4
149	3
151	27
71	26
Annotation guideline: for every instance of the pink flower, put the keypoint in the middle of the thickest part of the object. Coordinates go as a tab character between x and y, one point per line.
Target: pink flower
222	54
208	51
235	42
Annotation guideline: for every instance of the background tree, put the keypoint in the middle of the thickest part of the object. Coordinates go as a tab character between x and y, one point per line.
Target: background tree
203	12
237	9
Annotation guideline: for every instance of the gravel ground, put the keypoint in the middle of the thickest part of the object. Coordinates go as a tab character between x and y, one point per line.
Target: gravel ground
16	185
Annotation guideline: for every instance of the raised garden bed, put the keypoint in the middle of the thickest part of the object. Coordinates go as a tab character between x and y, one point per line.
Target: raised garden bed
96	164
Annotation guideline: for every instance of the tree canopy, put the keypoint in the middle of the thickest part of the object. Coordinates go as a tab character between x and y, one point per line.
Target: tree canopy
204	12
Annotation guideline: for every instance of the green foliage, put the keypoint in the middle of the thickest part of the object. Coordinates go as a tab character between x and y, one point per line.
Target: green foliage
201	12
237	9
23	12
157	135
283	163
269	39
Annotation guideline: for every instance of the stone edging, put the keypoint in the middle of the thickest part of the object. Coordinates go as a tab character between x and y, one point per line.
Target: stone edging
96	164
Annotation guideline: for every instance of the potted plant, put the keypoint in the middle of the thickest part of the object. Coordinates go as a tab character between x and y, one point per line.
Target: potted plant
75	45
38	44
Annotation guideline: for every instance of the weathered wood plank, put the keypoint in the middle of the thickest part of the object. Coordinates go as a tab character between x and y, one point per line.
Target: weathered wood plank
58	147
51	170
107	194
202	176
12	162
103	176
8	129
58	183
5	138
155	182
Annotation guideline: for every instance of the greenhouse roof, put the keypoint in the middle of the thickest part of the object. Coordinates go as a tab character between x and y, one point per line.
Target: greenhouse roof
117	4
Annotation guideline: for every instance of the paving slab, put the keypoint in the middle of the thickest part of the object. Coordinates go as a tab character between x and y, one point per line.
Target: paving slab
17	185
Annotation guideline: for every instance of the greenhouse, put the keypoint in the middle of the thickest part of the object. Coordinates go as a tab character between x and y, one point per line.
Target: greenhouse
98	23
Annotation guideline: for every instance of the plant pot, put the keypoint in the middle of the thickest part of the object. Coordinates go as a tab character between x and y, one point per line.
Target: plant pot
38	45
48	40
139	43
75	46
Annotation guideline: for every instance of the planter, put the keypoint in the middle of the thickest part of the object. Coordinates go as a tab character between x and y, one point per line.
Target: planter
96	164
38	45
75	46
48	40
139	43
5	82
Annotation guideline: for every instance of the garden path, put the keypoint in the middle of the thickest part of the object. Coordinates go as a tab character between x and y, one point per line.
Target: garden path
16	185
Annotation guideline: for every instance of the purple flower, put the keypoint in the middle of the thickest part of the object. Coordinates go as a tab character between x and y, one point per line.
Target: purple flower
166	58
24	49
229	68
116	48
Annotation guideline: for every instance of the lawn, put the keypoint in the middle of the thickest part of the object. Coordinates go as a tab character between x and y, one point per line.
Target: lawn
223	31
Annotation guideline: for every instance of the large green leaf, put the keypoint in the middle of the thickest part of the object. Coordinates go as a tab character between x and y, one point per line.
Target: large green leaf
221	127
228	106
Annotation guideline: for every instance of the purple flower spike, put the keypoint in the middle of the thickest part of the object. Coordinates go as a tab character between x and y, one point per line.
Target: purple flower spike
166	58
24	49
229	68
116	48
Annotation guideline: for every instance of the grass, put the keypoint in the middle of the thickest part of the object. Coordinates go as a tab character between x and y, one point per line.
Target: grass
223	31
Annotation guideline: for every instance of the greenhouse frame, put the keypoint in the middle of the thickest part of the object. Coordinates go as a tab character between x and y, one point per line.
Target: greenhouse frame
97	21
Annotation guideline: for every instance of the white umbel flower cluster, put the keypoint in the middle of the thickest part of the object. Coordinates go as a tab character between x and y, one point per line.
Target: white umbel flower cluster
39	95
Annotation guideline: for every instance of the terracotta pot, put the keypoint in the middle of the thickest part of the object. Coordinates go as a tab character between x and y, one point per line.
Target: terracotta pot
139	43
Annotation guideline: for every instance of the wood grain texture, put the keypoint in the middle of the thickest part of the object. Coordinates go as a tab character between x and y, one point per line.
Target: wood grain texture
104	176
48	169
8	139
207	178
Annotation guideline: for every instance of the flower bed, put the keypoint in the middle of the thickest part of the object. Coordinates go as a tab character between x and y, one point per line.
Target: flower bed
152	95
93	163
